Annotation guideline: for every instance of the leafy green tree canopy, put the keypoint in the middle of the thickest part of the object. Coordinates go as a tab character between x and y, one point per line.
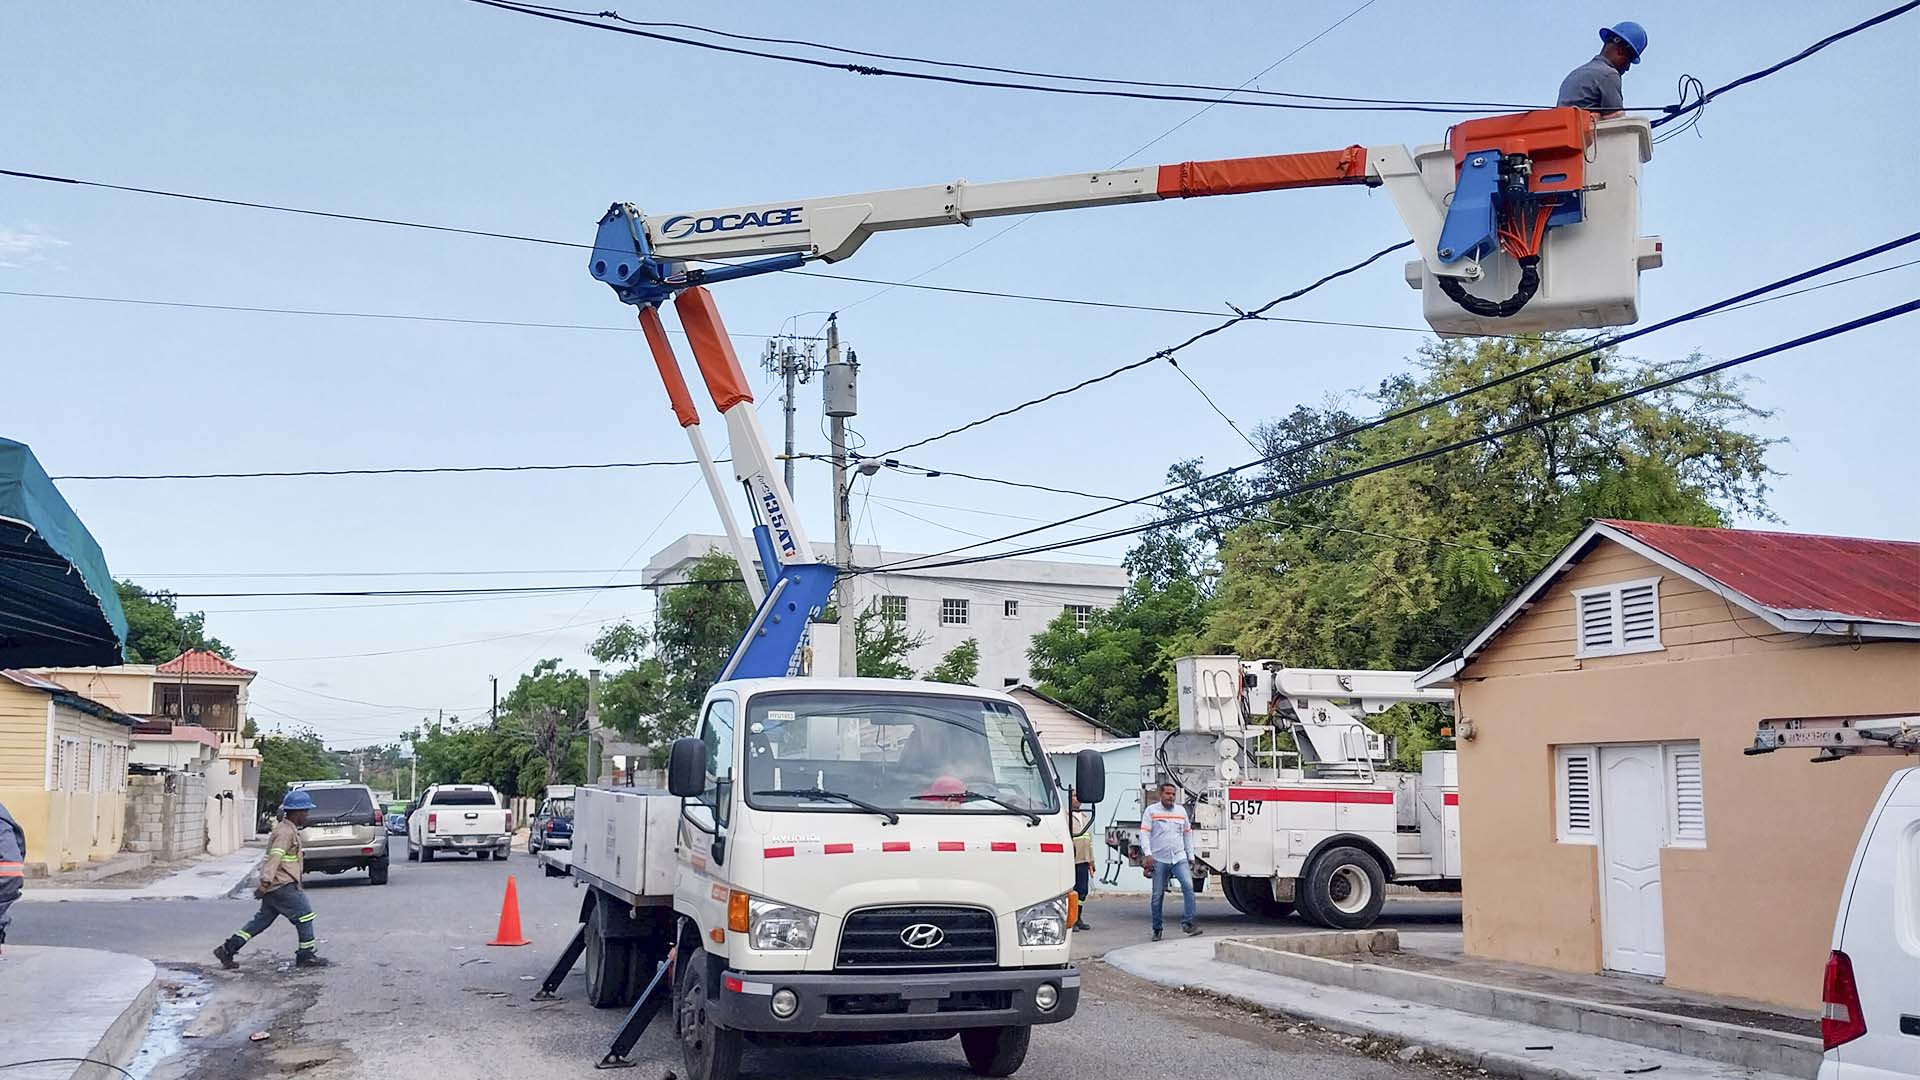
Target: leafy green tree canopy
960	665
156	629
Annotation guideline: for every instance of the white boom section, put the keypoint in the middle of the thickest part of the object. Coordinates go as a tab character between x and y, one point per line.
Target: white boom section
1839	736
1330	707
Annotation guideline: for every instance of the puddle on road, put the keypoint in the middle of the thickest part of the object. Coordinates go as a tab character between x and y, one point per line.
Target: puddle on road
179	997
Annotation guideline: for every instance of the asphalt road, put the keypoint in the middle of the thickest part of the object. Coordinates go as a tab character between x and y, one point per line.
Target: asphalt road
415	991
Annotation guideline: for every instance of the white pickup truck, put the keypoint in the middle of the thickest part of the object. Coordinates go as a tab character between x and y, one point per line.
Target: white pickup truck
459	817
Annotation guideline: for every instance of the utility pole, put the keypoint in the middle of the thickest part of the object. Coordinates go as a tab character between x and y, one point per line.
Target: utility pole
783	357
839	388
494	716
597	772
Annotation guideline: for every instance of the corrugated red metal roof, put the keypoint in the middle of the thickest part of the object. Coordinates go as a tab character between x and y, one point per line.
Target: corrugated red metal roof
1798	575
201	662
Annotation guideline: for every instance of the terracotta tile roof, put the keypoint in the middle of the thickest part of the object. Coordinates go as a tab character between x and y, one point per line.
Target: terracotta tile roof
1797	575
200	662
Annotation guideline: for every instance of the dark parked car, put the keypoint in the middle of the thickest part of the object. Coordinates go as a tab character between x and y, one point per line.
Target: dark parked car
552	827
396	824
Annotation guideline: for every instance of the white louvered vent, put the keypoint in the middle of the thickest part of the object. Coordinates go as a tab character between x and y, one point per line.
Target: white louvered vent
1578	806
1612	619
1686	795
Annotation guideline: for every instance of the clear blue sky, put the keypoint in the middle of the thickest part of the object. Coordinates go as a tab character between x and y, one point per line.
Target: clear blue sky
454	113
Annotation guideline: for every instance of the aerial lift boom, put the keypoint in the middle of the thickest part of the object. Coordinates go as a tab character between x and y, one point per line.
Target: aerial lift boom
1480	211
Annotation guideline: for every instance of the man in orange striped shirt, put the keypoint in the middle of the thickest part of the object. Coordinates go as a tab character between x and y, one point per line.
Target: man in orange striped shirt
13	854
1169	855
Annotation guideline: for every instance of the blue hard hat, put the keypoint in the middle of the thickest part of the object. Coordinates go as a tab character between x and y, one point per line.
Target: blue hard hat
1631	33
296	800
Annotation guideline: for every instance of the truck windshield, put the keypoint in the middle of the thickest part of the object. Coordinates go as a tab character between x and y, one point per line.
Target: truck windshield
910	753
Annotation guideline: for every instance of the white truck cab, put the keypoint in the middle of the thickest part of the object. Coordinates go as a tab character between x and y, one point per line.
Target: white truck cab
844	860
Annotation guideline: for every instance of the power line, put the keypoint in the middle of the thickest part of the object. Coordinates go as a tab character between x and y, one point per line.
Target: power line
386	471
1553	361
1164	354
1433	452
565	15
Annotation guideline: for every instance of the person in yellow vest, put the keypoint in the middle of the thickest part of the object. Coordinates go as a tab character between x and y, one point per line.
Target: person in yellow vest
1081	822
279	889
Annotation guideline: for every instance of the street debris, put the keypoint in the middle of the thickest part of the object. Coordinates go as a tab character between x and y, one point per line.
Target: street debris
260	1036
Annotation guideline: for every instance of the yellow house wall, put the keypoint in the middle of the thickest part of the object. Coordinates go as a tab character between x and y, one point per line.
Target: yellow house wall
64	828
1780	830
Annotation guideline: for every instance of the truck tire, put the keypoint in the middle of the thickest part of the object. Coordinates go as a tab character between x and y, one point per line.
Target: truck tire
1254	896
412	855
426	853
609	965
1230	888
1343	889
996	1051
483	855
709	1052
377	873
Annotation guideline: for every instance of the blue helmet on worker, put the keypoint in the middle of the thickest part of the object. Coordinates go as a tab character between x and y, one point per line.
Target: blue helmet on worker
1630	34
297	799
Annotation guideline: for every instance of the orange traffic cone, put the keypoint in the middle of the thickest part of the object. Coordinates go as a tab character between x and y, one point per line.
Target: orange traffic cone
509	932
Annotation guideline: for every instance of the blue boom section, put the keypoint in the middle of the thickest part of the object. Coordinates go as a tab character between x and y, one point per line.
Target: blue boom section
794	597
624	260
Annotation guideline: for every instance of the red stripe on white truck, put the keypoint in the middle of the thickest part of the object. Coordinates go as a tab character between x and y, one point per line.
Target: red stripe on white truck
1451	798
1313	795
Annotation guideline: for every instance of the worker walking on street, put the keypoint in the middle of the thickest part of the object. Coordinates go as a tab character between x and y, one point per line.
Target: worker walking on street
1595	85
1081	822
279	889
1170	855
13	857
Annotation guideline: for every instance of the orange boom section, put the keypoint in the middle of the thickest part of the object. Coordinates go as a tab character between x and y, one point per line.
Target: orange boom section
663	359
1557	142
1275	172
712	349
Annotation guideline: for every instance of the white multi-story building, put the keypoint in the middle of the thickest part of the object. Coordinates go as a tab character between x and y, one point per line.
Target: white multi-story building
1001	604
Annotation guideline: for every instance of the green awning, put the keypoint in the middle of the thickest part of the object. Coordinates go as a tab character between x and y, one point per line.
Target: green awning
58	606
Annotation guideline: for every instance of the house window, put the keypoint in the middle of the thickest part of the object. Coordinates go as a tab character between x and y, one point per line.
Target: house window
1009	683
99	766
893	608
1577	795
1577	809
1615	619
66	765
1082	615
1686	797
1010	608
953	612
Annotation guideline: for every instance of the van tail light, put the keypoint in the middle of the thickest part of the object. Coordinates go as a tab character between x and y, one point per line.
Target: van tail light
1841	1020
433	822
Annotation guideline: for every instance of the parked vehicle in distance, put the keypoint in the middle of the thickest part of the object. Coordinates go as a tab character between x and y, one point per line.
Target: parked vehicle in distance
552	827
396	824
345	830
1870	1003
459	817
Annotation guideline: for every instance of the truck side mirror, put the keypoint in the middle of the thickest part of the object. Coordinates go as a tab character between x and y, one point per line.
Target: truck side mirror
687	768
1089	777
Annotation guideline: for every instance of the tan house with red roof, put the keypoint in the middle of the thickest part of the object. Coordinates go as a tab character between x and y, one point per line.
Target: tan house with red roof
198	689
1609	818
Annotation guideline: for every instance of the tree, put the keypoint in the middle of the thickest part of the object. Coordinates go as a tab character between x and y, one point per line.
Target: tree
157	631
547	708
285	759
881	645
1119	669
961	664
451	752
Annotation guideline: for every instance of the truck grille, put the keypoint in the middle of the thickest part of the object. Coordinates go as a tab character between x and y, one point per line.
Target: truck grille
872	938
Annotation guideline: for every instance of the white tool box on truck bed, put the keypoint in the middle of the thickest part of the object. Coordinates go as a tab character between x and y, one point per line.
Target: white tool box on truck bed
623	838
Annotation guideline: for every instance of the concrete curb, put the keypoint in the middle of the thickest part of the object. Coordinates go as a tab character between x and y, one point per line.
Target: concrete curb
123	1037
1502	1047
85	1003
1771	1051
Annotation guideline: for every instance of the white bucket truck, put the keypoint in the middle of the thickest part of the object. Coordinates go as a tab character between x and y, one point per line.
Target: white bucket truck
1317	827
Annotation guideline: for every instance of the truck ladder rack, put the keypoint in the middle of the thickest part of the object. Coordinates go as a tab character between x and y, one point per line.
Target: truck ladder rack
1836	737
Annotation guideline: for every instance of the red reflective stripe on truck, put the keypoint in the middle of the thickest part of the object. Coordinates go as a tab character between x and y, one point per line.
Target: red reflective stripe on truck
1053	849
1371	798
777	853
1004	845
838	849
1452	798
896	845
953	845
734	984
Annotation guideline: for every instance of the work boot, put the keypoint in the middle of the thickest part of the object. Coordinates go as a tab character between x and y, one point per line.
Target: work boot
224	953
1190	930
307	960
1082	925
1156	935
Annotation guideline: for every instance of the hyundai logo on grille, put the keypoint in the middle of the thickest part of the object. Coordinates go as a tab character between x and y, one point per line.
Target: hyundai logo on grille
922	936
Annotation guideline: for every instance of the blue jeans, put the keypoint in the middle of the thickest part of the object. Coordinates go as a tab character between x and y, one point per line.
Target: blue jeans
1181	873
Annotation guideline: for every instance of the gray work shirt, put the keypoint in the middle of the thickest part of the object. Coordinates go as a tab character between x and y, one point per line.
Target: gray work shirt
1593	85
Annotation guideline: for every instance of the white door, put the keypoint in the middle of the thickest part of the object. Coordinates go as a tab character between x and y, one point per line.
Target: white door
1632	828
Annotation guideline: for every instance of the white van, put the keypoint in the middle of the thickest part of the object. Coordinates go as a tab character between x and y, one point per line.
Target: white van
1870	1012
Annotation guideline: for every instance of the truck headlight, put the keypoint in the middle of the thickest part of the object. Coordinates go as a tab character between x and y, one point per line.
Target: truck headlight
778	927
1044	923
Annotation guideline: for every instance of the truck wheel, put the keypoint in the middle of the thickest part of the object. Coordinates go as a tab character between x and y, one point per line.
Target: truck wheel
377	873
1230	887
1343	889
995	1051
483	855
608	964
426	853
710	1052
412	855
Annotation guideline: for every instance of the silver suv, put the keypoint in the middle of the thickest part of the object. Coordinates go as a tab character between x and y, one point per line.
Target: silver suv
345	831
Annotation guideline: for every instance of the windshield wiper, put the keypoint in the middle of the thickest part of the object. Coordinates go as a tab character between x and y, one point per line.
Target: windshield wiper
817	794
966	796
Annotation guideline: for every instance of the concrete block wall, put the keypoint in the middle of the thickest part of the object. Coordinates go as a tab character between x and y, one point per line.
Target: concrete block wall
167	814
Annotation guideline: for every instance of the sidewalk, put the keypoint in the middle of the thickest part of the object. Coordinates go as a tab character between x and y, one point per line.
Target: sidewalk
207	879
80	1003
1497	1044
